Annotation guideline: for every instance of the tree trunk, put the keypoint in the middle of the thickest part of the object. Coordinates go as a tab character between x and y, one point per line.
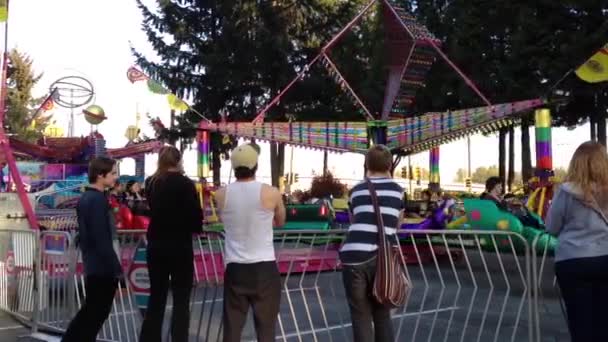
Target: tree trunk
277	162
526	155
325	167
502	135
511	172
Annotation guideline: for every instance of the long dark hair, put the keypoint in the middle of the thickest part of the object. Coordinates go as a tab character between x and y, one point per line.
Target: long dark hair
169	157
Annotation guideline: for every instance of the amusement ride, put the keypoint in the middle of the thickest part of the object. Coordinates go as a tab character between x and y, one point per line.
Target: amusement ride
414	50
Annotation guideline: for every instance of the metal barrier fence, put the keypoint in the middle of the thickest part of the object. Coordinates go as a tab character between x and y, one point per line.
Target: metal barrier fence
65	195
473	286
467	286
18	282
550	320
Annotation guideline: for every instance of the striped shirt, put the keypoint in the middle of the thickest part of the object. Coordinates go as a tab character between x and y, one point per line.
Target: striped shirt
362	239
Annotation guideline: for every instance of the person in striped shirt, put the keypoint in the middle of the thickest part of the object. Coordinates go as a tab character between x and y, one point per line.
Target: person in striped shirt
370	321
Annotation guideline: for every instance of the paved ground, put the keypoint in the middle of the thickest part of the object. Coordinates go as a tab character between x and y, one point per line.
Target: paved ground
10	329
479	299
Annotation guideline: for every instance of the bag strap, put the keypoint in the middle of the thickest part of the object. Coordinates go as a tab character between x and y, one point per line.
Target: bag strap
379	220
598	209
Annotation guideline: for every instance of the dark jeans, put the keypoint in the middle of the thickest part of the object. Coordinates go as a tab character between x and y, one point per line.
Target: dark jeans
584	286
251	285
168	266
85	326
371	322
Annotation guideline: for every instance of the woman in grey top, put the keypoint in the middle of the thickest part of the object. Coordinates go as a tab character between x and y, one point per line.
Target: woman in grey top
578	216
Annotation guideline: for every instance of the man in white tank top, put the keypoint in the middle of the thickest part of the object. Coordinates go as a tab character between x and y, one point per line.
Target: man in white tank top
249	210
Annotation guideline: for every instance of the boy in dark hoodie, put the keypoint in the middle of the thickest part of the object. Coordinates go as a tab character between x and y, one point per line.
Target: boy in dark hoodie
96	233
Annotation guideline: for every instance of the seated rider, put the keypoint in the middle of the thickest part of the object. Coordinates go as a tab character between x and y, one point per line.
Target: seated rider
429	203
494	192
517	208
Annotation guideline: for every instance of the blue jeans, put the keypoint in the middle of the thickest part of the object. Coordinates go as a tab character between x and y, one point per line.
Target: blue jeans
371	321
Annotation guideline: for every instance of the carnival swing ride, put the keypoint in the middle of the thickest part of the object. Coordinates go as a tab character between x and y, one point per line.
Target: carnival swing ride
413	51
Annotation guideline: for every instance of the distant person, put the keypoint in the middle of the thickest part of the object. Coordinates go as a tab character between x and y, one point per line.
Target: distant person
578	216
494	192
102	269
175	214
429	203
249	210
116	192
370	321
133	191
518	208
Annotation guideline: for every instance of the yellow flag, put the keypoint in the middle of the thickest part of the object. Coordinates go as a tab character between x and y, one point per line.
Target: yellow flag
3	10
595	69
176	103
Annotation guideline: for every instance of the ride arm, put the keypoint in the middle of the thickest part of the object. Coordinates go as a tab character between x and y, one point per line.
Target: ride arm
555	216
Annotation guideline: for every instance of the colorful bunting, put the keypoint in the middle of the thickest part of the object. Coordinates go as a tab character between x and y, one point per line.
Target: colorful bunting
48	104
176	103
134	75
156	88
335	75
595	69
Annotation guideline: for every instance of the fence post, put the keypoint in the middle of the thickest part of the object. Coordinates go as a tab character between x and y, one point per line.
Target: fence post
73	265
36	281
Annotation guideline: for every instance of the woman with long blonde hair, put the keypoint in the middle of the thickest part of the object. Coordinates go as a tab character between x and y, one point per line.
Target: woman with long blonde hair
579	217
175	214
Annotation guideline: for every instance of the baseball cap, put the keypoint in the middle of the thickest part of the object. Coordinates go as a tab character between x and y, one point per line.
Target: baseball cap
244	156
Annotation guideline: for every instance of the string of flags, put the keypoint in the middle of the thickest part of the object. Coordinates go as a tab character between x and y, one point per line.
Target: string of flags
595	69
337	77
46	106
135	75
3	10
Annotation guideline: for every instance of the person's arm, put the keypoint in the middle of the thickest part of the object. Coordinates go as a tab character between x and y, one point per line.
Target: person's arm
399	223
280	213
556	213
97	232
192	207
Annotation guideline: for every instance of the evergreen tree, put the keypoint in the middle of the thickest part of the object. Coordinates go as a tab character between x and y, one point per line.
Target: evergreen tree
515	50
21	106
232	57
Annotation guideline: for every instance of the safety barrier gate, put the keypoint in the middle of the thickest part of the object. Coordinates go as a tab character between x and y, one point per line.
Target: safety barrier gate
551	324
467	286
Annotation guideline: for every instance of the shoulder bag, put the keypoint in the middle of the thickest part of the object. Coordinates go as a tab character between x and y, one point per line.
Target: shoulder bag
391	285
